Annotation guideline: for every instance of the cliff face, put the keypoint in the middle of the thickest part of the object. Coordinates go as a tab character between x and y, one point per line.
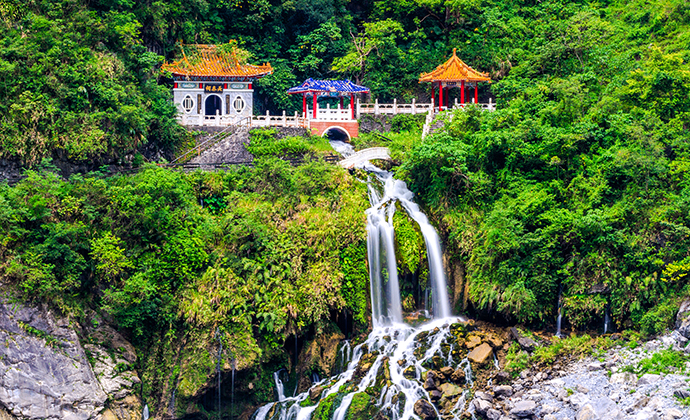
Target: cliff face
52	368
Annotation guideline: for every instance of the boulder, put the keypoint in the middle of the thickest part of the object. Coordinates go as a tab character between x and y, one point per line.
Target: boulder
450	390
681	393
648	378
430	382
505	390
646	415
578	399
447	371
435	395
526	343
622	378
524	408
493	414
472	341
595	366
425	410
481	406
481	354
586	413
315	393
458	376
502	377
673	414
484	396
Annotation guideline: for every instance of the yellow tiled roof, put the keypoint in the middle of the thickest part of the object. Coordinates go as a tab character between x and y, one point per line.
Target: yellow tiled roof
206	61
454	70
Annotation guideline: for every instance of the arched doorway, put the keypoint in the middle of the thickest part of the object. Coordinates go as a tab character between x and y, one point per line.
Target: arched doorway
336	133
213	104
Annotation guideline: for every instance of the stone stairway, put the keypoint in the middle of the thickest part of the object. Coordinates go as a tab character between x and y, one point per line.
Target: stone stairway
231	149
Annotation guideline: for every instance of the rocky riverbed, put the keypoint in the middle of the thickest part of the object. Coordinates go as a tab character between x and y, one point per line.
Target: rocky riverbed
592	388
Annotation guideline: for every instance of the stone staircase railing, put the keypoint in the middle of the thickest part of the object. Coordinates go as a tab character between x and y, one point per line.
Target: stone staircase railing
215	139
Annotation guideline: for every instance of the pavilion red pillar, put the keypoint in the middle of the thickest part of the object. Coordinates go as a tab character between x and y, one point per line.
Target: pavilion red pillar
352	105
315	105
440	96
341	102
476	92
304	106
462	92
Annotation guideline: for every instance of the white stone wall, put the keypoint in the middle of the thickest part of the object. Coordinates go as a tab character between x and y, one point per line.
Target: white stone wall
197	115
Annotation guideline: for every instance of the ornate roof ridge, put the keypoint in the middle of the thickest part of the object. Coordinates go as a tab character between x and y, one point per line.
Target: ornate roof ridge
207	61
454	70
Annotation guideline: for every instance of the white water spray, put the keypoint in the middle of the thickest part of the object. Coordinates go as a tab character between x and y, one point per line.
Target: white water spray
405	352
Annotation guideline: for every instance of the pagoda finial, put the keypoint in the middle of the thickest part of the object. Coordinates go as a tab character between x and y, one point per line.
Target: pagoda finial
454	49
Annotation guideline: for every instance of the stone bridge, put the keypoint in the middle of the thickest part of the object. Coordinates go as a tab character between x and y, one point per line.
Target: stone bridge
365	155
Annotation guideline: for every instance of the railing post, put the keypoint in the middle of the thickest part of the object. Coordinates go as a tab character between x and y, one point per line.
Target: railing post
284	119
376	106
414	109
359	111
456	102
395	106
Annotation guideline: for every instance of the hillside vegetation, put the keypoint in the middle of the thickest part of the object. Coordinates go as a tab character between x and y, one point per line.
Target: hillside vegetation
575	185
579	182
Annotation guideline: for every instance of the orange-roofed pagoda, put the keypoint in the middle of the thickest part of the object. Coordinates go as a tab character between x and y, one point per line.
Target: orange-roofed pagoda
212	84
453	73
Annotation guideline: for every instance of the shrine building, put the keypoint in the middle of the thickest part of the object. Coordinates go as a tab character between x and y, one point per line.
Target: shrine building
454	73
212	86
333	115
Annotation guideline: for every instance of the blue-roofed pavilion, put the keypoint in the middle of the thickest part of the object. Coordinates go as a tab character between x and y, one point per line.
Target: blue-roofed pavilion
328	89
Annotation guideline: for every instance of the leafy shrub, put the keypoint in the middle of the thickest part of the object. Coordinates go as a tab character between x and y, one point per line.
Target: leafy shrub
407	122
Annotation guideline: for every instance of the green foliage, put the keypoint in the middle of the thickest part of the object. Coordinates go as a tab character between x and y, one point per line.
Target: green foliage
263	142
660	318
286	251
665	361
570	346
517	360
578	181
353	261
407	122
79	81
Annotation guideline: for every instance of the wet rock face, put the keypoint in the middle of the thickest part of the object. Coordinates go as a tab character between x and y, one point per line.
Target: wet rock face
683	319
45	372
424	410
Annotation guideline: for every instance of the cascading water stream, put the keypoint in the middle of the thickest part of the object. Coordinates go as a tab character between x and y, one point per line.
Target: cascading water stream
607	319
560	316
403	351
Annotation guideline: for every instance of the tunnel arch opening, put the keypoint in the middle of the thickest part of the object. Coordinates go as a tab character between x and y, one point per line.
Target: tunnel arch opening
336	133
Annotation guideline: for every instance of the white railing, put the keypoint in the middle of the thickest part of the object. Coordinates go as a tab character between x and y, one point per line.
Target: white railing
279	120
394	108
491	106
412	108
365	155
330	114
209	120
427	123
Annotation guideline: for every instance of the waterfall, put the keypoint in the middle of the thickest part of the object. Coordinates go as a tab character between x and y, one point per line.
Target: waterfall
145	413
232	387
279	385
607	319
560	316
380	221
406	352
